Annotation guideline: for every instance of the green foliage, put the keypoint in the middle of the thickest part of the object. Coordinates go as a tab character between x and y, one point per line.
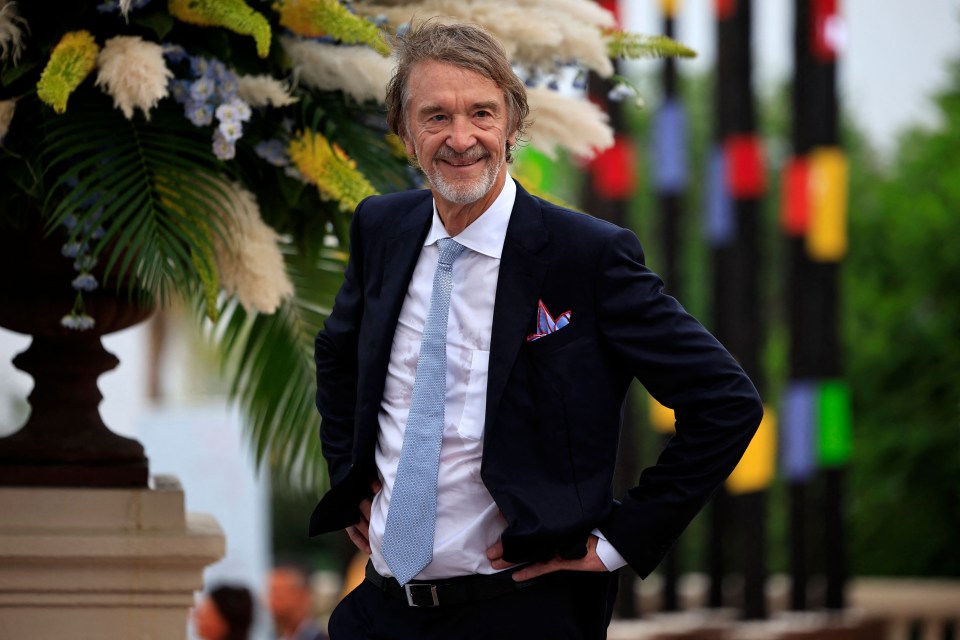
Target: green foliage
621	44
903	320
126	178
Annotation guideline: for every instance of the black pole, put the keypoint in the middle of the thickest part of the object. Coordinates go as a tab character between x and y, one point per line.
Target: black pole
737	263
670	205
813	302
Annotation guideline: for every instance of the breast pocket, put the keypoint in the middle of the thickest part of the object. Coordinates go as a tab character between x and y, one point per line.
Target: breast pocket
475	400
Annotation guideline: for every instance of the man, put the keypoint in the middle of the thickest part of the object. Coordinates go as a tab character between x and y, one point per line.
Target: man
543	317
290	601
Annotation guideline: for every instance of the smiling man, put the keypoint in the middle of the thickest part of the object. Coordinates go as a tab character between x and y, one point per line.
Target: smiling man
472	374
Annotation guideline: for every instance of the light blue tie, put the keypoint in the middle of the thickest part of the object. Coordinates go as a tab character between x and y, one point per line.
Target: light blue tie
408	537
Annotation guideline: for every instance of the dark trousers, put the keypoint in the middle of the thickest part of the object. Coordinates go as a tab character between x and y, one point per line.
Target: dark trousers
559	606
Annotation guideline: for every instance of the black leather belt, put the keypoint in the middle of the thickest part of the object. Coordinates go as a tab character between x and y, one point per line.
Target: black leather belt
442	593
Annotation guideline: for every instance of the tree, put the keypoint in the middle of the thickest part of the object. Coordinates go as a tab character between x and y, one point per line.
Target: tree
902	315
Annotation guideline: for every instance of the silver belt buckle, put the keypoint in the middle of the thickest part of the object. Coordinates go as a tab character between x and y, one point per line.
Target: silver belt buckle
430	588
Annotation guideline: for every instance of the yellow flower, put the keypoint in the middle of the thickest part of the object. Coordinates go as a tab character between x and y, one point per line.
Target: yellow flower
330	169
72	60
314	18
234	15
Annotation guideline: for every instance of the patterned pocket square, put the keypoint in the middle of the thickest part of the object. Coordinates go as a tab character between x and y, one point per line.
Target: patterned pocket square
546	323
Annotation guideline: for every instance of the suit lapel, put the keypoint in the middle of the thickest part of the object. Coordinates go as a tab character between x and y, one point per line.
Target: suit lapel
521	276
400	253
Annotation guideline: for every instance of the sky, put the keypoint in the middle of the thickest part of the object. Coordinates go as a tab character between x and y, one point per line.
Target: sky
895	54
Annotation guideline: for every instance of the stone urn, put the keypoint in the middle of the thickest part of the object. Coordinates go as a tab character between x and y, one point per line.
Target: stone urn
64	441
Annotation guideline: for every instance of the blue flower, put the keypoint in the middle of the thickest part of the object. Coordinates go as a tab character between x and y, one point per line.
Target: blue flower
230	130
85	282
202	89
228	87
78	321
174	53
199	66
84	263
620	92
235	110
180	90
223	148
73	249
199	113
217	70
227	113
273	151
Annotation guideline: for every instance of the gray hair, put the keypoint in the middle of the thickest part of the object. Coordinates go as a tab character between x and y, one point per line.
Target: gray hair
466	46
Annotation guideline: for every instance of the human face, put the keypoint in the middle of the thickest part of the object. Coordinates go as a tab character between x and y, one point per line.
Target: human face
287	598
457	129
207	621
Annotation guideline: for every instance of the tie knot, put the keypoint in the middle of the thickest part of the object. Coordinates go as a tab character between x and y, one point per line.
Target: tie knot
450	249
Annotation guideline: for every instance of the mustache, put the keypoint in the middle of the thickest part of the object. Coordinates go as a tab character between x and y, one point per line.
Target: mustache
474	153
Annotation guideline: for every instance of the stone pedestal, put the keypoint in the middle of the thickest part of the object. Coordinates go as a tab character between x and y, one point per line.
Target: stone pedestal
101	564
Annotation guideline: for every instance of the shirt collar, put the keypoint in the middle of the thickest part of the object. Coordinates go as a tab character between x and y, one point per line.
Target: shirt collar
487	233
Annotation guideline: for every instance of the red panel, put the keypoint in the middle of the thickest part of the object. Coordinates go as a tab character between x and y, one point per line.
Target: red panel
725	8
826	29
746	176
795	203
613	7
614	171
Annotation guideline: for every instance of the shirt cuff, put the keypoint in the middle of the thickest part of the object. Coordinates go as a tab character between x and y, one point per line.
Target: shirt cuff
609	556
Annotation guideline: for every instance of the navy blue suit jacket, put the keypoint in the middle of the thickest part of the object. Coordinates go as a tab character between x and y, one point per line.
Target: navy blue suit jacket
554	405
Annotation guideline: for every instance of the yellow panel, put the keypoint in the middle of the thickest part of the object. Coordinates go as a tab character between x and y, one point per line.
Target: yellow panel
758	465
827	233
669	7
661	417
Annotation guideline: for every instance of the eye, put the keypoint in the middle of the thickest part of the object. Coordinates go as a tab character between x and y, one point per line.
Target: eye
483	113
437	117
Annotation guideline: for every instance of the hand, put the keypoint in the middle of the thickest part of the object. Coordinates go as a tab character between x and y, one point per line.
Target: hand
590	562
359	533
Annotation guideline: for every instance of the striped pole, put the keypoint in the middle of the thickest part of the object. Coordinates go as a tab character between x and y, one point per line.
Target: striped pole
737	183
816	422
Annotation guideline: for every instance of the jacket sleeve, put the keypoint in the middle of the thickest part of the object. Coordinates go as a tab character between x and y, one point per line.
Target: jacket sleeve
335	355
685	368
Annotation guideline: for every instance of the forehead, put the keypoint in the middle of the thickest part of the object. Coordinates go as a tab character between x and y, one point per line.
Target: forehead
433	82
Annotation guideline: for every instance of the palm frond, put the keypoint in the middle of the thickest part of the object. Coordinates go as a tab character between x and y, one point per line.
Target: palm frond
269	359
141	193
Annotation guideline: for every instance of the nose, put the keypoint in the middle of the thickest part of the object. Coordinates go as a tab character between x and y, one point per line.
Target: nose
461	135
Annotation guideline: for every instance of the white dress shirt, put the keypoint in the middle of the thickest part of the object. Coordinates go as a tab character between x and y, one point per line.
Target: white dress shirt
468	520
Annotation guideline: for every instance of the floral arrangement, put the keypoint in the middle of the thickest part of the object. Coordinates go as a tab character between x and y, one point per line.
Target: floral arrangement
214	150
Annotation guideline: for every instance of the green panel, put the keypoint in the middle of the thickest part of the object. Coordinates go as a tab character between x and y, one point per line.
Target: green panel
834	421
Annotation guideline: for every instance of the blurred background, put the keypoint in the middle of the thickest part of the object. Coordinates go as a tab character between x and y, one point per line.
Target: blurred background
850	328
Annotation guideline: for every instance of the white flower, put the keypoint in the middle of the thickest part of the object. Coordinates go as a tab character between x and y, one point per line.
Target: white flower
78	321
560	121
358	71
263	91
248	257
226	112
231	130
7	107
536	33
222	147
235	110
133	71
11	35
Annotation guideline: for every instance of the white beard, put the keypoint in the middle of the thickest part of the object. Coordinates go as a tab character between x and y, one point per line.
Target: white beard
463	192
